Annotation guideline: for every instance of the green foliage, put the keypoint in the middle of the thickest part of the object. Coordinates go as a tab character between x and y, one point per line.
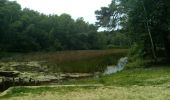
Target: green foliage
136	63
119	39
135	57
27	30
146	23
136	52
114	39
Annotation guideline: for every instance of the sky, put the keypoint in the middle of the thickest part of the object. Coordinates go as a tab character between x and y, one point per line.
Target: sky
76	8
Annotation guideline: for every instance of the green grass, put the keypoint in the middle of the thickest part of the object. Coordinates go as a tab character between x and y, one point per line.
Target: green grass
17	91
97	93
133	81
23	91
139	76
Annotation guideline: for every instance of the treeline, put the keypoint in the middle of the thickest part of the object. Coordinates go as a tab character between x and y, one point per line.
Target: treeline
116	39
25	30
145	22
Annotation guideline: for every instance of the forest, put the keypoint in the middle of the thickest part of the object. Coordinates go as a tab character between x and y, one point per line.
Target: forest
25	30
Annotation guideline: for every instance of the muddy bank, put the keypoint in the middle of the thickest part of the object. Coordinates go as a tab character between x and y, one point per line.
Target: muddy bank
32	74
6	82
35	74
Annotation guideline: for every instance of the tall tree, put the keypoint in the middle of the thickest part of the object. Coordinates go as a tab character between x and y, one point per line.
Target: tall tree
146	20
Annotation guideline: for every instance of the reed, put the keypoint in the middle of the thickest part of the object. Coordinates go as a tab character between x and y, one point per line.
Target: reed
81	61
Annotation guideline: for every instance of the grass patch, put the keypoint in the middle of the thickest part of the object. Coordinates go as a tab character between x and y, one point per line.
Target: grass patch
24	91
139	76
140	83
91	93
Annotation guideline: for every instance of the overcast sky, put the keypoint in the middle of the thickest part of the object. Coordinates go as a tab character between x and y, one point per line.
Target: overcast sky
76	8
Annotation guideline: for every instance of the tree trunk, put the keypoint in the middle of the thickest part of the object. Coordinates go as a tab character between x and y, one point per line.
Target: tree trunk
150	35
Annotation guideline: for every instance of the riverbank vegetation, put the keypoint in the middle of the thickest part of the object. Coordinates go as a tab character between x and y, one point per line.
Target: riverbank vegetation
80	61
142	83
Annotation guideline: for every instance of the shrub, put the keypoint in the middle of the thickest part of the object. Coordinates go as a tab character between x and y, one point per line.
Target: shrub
135	56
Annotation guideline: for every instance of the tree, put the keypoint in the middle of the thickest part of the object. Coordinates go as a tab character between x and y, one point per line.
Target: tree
25	30
145	20
9	23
